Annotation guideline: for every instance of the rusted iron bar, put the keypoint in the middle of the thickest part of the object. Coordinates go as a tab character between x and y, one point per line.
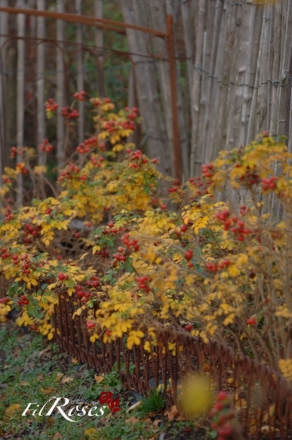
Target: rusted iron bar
83	19
73	43
173	87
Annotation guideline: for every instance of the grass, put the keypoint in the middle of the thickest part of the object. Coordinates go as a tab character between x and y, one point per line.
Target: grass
33	370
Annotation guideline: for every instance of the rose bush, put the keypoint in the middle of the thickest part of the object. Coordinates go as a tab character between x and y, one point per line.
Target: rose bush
217	269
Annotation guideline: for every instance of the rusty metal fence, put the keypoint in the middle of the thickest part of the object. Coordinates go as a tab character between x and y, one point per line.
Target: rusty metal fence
262	399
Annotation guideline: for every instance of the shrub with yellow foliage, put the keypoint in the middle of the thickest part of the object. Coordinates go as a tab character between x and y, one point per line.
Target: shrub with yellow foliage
217	269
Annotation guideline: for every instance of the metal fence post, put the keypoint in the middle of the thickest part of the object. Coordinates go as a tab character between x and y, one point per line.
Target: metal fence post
173	86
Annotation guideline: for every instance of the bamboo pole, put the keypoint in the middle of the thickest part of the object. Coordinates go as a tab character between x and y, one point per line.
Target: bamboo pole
20	97
3	28
80	75
40	82
98	12
173	85
196	90
60	90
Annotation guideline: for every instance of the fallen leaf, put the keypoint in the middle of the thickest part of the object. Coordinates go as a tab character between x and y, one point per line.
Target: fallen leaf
47	390
59	377
40	377
99	378
172	413
67	379
24	383
57	435
12	409
132	420
133	406
74	361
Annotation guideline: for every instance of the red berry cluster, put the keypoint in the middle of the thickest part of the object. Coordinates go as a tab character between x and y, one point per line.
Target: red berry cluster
213	267
251	177
130	243
174	188
113	126
119	256
46	146
251	321
97	161
189	254
223	264
5	253
221	414
183	228
132	114
207	170
93	282
51	106
83	294
90	325
23	301
6	179
198	183
62	276
15	259
21	167
104	253
4	300
14	151
97	101
270	183
238	228
137	158
8	215
26	267
110	229
86	146
69	112
79	96
243	210
143	283
68	172
31	230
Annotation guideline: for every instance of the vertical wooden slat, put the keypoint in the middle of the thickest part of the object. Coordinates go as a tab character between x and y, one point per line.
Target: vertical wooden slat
3	30
60	90
146	77
98	10
80	75
41	5
20	95
196	89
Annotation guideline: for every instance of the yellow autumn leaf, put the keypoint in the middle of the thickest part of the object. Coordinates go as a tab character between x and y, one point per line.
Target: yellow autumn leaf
40	169
118	147
233	271
12	409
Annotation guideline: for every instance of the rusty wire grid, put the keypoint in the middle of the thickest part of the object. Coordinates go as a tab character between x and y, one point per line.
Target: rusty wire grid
261	397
